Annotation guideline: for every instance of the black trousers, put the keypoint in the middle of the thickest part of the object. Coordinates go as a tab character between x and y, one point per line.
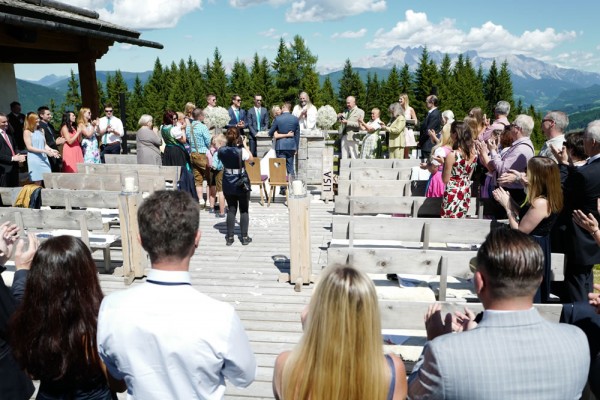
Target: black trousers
233	203
114	148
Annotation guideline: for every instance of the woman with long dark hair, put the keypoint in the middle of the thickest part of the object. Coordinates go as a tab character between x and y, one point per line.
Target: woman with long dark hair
233	156
53	332
72	152
458	167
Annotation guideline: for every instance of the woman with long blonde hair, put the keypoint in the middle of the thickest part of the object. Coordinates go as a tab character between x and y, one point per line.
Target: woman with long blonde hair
540	211
37	149
340	354
411	122
89	143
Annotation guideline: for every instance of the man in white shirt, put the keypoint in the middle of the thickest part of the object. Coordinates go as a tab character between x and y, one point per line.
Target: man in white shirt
554	125
306	113
163	337
110	130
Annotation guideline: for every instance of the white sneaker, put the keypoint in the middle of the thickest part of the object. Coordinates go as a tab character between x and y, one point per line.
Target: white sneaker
202	202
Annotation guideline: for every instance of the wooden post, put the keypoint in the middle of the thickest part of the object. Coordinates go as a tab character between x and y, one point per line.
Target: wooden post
327	182
135	258
300	258
88	82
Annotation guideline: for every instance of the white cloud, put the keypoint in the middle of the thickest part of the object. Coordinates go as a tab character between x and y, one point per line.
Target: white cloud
250	3
154	14
270	33
489	40
325	10
126	46
349	34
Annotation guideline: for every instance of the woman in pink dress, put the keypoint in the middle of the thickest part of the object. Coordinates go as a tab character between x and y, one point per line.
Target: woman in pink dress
72	152
436	186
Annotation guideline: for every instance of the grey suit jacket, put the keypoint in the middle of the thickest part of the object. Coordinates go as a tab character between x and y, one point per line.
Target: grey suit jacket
352	116
510	355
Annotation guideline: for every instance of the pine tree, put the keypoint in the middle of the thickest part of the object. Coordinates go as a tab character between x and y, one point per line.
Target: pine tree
406	82
373	95
180	88
101	98
72	97
295	70
469	88
198	84
327	95
505	91
518	108
135	105
350	85
262	80
446	84
390	90
118	86
241	84
155	94
217	79
537	136
491	87
425	83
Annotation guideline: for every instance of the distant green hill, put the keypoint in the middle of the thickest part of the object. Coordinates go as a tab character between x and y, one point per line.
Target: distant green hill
32	96
577	100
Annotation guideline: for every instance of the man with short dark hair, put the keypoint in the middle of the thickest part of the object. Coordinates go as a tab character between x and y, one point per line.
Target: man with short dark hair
52	138
110	129
286	131
16	121
163	337
237	114
432	122
513	352
258	120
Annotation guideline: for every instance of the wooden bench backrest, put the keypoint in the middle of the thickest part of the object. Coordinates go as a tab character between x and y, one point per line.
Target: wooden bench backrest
170	173
80	198
277	171
52	219
379	163
367	187
364	173
398	314
120	158
147	183
253	169
410	205
442	230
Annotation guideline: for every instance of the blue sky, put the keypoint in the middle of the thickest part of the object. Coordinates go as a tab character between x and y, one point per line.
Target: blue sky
556	32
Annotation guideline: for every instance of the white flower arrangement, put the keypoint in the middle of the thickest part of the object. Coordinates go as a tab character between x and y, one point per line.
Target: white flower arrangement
326	117
217	117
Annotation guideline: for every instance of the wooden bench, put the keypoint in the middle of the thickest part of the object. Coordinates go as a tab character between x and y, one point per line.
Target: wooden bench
74	222
169	173
80	181
364	173
346	163
120	158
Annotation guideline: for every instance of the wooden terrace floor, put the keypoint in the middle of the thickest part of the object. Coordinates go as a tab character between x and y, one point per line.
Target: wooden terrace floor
247	277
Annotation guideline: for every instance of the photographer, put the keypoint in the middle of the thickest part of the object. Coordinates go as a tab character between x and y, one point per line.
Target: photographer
236	185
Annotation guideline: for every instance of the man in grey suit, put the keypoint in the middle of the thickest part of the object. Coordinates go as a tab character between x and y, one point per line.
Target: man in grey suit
286	131
513	353
348	126
258	120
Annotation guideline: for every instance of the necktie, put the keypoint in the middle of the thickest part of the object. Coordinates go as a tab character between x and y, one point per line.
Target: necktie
5	136
237	115
105	137
258	119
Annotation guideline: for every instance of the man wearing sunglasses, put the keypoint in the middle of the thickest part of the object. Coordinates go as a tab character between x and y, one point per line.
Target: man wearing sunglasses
258	120
110	130
237	114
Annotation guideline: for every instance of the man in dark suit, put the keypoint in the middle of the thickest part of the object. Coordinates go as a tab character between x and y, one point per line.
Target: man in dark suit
257	118
16	121
581	189
237	115
432	124
9	157
52	138
286	131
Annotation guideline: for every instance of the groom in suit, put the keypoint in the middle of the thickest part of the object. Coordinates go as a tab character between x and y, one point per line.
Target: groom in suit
432	122
236	114
513	352
286	131
257	118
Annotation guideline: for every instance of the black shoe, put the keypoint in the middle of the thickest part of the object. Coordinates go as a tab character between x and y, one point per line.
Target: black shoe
392	277
246	240
229	241
282	191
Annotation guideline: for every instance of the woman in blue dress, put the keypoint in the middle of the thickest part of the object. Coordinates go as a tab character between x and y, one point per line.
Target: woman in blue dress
37	149
89	142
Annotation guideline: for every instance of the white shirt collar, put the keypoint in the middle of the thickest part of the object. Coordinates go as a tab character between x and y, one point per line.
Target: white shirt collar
169	276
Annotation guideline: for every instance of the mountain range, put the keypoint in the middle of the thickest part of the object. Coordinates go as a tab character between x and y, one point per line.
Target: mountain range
536	82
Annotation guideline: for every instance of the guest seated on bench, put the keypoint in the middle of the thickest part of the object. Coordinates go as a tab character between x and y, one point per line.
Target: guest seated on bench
513	353
53	332
340	354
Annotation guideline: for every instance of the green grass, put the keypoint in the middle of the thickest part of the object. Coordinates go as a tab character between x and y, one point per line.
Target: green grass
597	273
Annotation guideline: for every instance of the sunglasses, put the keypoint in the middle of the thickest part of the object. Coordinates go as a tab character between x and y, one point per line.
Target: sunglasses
108	111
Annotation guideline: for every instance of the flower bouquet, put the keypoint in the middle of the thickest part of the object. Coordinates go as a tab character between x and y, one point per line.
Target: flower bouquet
217	117
326	117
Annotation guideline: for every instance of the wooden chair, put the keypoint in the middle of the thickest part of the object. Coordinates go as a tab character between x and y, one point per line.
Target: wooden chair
277	176
253	169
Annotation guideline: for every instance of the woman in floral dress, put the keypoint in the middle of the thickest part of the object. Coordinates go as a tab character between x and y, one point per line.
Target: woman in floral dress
89	143
458	167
